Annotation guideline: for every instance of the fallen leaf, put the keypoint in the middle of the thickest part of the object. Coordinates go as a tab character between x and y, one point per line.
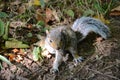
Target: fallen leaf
16	2
11	56
22	9
49	15
22	52
19	57
16	24
15	44
30	26
36	53
39	15
15	50
56	15
34	2
115	11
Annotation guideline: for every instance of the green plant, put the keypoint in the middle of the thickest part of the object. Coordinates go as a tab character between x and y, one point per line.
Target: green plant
3	15
2	25
83	7
37	54
95	7
5	36
5	60
41	26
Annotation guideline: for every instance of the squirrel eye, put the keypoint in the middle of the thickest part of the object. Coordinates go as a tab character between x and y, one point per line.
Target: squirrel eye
51	41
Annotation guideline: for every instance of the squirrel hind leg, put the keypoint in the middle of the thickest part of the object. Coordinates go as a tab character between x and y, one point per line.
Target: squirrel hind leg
76	57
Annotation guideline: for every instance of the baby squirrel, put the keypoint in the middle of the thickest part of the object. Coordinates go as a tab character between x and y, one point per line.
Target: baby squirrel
85	25
64	38
57	41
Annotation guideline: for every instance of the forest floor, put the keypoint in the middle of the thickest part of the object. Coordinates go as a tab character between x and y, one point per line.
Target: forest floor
101	62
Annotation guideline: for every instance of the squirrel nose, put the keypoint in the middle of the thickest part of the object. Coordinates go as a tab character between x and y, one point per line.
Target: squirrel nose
58	48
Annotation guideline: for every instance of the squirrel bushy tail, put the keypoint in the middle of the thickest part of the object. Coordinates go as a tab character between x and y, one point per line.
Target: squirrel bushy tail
85	25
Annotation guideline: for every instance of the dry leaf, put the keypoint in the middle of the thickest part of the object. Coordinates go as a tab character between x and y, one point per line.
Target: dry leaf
16	2
39	15
34	2
22	9
11	56
49	15
22	52
56	15
18	58
16	24
115	11
30	26
15	50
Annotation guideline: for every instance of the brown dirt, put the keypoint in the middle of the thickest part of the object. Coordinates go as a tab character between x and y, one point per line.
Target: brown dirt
102	62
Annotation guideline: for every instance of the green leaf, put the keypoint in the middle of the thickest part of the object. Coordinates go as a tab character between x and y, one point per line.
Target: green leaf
42	3
88	12
2	25
0	66
15	44
5	36
70	13
5	60
35	53
29	34
40	23
3	15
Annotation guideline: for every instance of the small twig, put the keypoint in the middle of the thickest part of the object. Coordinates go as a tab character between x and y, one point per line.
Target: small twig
98	72
77	70
107	67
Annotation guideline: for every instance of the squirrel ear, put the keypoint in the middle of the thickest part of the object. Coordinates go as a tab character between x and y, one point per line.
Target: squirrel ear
47	32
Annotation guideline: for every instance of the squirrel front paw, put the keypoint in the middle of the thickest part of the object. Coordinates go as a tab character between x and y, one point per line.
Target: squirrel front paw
54	70
77	60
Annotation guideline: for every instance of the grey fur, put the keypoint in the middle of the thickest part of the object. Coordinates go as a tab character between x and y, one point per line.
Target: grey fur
64	38
85	25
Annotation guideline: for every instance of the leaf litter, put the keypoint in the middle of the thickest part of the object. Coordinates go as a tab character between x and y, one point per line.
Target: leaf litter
103	63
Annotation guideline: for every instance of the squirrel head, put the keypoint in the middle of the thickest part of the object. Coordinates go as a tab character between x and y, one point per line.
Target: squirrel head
55	38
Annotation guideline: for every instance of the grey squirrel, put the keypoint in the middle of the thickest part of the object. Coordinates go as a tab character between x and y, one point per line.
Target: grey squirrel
64	38
85	25
57	41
